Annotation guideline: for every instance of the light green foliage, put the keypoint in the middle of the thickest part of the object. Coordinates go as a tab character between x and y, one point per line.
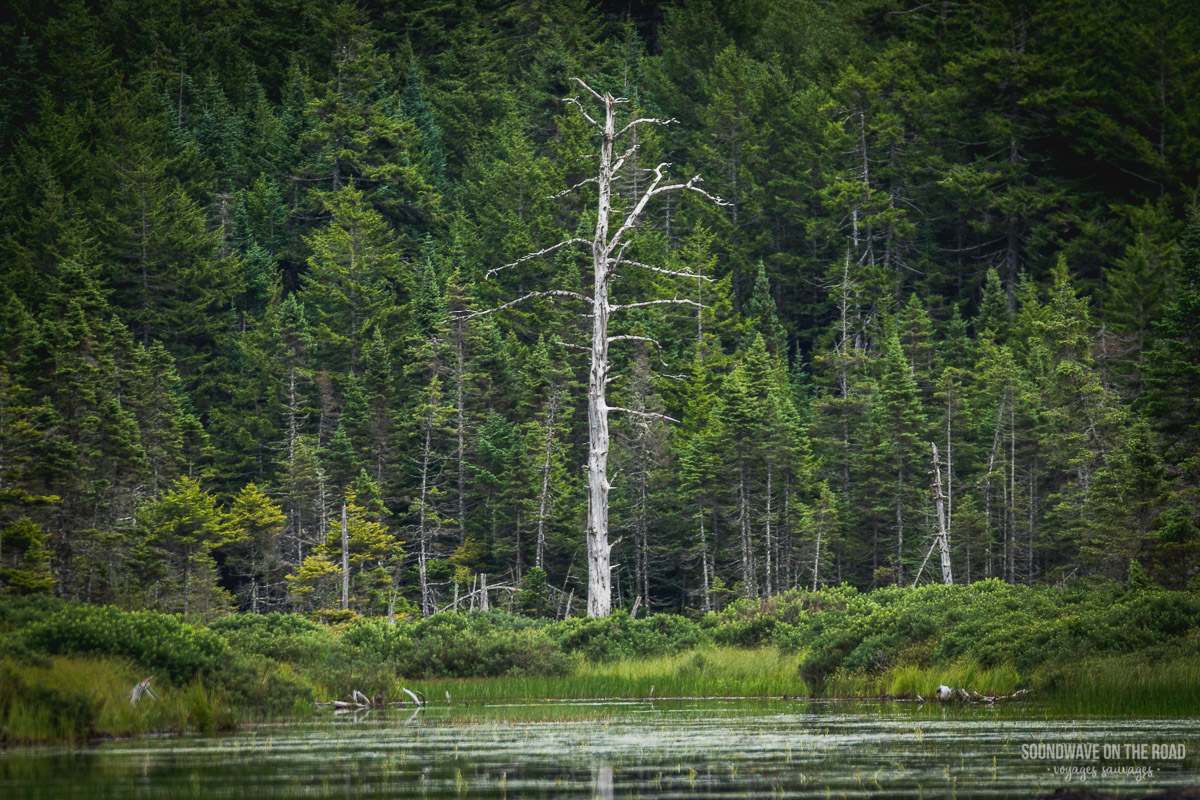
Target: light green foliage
179	533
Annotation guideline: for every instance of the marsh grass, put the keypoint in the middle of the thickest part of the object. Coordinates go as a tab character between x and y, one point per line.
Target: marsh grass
909	681
1131	685
703	672
70	698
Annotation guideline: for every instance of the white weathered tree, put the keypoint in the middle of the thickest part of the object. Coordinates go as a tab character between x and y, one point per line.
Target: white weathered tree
614	233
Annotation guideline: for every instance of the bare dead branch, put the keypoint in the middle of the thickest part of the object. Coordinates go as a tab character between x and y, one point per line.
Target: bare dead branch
648	120
649	414
632	338
590	90
570	189
693	187
679	301
632	218
675	272
620	162
542	252
583	111
523	298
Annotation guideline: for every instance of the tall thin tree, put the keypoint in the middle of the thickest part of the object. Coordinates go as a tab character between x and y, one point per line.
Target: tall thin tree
610	245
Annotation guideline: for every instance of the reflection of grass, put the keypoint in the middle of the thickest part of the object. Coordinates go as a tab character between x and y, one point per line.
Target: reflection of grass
706	672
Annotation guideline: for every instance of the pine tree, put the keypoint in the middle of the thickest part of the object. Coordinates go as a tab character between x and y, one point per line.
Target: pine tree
1173	365
175	567
897	435
355	280
254	556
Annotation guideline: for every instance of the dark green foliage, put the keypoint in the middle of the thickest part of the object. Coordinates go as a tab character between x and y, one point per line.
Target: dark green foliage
245	245
161	643
989	623
619	636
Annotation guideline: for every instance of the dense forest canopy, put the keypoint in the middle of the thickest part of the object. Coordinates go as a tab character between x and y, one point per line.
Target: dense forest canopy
243	243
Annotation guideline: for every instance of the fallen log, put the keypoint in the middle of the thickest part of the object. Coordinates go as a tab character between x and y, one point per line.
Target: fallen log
946	694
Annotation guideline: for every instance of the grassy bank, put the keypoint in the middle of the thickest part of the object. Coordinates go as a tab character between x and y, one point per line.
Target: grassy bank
66	670
702	672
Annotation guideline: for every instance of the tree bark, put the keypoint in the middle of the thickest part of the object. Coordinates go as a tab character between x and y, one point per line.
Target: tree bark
943	534
345	561
599	550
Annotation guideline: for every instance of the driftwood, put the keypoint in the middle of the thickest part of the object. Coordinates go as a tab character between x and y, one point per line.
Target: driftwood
143	688
945	694
359	701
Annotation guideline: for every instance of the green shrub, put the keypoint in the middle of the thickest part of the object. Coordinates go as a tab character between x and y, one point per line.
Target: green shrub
467	646
284	637
618	636
162	643
252	681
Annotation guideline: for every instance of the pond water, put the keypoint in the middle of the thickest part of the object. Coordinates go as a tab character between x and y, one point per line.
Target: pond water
680	749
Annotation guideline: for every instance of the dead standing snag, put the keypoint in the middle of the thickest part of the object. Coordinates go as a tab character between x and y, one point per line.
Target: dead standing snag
608	255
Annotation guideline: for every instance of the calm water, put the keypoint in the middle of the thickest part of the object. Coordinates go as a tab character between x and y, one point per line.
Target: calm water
681	749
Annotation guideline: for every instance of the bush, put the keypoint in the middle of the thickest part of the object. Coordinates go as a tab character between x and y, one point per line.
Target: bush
162	643
284	637
618	636
252	681
467	646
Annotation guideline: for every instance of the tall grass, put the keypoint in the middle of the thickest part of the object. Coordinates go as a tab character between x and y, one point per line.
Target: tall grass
704	672
910	681
1131	685
34	711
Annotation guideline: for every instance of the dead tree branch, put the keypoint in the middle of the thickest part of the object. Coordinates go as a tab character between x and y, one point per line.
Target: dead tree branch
523	298
530	256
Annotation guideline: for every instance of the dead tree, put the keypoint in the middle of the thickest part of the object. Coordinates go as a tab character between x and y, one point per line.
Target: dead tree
942	538
609	245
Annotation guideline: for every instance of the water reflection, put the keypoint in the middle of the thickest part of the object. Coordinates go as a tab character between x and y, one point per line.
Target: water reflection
602	782
588	750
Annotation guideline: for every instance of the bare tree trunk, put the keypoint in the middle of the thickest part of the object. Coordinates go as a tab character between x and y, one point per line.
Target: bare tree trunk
345	561
608	254
1011	509
989	567
704	564
423	529
770	488
900	525
748	583
817	550
462	444
943	534
599	550
546	463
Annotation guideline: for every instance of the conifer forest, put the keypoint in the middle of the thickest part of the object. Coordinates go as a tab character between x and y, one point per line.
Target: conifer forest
383	307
